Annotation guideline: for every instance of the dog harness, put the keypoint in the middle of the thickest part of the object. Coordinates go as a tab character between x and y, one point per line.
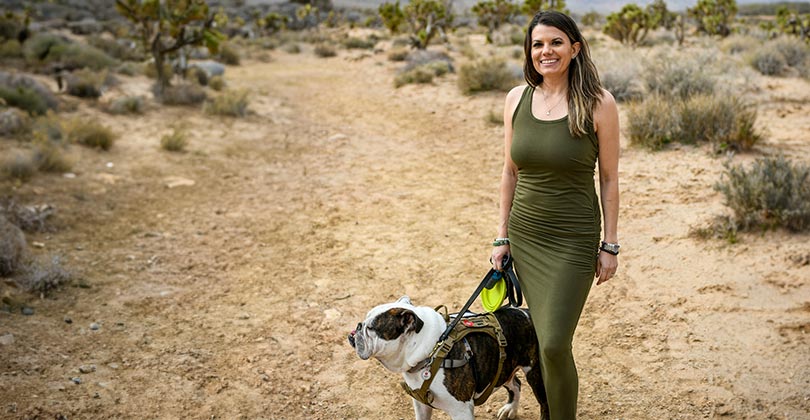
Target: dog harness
482	323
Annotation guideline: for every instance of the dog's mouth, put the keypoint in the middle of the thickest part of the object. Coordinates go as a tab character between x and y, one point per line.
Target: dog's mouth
351	338
358	343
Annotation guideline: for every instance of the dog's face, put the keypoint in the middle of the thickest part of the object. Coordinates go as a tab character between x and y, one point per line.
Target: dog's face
385	330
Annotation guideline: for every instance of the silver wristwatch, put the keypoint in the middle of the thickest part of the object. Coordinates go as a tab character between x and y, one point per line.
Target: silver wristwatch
610	248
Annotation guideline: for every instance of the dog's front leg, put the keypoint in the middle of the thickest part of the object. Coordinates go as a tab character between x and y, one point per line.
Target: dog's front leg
423	411
461	410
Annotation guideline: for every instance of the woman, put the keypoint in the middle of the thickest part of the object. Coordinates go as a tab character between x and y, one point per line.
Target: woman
555	129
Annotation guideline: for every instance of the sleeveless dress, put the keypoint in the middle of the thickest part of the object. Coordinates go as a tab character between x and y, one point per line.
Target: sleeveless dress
554	231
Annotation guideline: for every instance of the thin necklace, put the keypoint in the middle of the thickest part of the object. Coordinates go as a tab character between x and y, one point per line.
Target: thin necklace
545	101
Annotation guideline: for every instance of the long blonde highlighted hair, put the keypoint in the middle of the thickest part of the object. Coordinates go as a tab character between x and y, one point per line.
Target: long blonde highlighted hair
584	87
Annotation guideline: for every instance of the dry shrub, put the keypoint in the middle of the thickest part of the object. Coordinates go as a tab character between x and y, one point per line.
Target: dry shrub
31	218
421	74
291	48
50	157
792	49
325	50
150	71
228	55
183	94
653	123
217	83
13	122
91	134
126	105
722	120
767	61
354	43
774	192
620	72
232	104
486	75
12	247
123	50
678	75
737	43
176	141
129	68
43	277
399	54
19	166
26	93
48	127
38	47
86	83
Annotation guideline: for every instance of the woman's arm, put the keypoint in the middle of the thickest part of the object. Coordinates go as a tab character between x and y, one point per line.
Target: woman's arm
606	121
508	175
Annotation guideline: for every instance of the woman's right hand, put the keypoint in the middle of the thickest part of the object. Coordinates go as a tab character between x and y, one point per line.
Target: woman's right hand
498	253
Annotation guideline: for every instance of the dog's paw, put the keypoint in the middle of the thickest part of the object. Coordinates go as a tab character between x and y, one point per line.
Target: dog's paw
508	411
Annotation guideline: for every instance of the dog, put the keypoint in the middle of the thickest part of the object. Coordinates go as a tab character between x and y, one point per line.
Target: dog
401	335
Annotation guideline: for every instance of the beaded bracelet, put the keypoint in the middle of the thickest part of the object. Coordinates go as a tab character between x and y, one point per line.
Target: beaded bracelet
500	242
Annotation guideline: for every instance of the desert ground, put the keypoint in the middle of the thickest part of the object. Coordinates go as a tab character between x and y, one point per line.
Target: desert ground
223	281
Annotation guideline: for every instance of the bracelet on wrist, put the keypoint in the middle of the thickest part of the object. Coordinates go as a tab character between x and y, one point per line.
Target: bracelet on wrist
609	248
500	242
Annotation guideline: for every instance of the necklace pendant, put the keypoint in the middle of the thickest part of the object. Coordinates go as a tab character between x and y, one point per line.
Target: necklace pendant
548	113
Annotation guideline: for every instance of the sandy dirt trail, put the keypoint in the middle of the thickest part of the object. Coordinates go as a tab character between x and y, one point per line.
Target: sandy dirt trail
232	298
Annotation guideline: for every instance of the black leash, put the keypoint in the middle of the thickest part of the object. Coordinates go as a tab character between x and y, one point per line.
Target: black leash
493	276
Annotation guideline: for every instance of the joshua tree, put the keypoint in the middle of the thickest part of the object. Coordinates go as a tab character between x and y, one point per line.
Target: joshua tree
166	26
530	7
425	19
493	13
630	25
714	17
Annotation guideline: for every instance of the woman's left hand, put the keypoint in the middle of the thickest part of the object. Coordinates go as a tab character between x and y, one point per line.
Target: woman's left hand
606	266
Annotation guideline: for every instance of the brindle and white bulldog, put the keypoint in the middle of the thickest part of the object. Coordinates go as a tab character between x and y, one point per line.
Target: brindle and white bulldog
401	335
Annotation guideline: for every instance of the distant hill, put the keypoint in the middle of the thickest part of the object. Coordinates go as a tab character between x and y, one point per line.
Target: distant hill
576	6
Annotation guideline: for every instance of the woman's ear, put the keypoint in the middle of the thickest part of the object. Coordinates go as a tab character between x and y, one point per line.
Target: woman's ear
576	47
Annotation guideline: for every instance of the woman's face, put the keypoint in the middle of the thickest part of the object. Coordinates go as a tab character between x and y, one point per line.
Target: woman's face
552	51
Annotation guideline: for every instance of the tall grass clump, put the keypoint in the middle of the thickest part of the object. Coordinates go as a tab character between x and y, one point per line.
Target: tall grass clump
485	75
774	192
126	105
183	94
19	166
50	157
176	141
231	103
418	75
86	83
91	134
721	120
325	50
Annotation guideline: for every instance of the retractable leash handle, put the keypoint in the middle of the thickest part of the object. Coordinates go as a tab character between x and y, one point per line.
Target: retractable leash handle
486	282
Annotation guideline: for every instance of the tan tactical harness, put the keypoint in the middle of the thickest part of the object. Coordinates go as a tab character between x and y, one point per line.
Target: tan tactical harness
483	323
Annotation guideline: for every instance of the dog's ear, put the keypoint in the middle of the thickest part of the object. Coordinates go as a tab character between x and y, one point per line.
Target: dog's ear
394	322
405	299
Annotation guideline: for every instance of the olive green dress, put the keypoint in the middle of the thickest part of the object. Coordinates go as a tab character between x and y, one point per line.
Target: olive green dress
554	230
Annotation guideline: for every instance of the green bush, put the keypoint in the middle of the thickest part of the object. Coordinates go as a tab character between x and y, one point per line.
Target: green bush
175	141
19	166
485	75
183	94
126	105
38	47
25	98
774	192
11	49
232	104
91	134
77	56
768	61
129	68
325	51
85	83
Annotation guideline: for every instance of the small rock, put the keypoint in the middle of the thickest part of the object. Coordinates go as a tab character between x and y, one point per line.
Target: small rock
76	381
27	310
331	314
95	326
87	368
113	365
38	245
264	377
68	320
337	137
96	395
69	175
7	339
176	181
244	316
